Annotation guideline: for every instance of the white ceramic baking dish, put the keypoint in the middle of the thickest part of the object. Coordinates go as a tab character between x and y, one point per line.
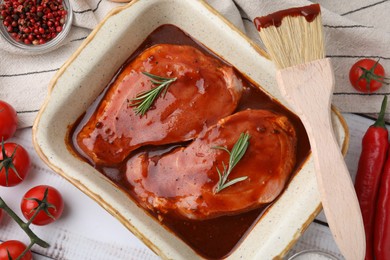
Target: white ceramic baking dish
93	65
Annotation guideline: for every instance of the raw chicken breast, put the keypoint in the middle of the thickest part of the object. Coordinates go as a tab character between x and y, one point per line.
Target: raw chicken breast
205	91
184	180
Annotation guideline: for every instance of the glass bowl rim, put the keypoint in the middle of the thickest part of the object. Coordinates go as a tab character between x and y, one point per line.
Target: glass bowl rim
48	46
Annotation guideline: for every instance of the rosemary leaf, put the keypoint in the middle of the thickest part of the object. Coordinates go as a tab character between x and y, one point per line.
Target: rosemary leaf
235	155
144	100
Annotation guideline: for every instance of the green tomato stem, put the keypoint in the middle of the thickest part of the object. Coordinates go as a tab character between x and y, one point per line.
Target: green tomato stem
40	207
25	250
25	226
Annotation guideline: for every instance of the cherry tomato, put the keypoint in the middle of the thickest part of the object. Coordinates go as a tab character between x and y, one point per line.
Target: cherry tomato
47	195
367	75
8	120
15	248
13	157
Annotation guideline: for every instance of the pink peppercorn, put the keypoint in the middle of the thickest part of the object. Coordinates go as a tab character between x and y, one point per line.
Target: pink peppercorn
33	21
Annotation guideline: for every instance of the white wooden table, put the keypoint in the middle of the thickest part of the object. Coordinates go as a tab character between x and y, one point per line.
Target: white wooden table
86	231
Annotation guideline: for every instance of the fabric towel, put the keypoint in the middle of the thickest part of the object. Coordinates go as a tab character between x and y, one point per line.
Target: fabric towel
354	29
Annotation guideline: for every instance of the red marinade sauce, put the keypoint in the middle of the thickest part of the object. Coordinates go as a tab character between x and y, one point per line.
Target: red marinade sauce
214	238
310	12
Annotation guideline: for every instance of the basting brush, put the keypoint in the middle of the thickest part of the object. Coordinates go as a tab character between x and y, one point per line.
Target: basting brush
294	40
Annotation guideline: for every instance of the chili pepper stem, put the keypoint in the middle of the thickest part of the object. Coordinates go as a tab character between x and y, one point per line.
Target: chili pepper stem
380	122
25	226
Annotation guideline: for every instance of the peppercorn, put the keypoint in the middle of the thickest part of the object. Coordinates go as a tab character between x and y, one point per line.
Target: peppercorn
33	21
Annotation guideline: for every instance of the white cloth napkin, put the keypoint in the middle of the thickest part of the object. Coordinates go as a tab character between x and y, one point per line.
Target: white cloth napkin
354	29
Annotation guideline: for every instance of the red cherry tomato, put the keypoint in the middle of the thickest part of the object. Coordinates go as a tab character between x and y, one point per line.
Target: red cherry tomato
13	157
51	211
367	75
8	120
15	248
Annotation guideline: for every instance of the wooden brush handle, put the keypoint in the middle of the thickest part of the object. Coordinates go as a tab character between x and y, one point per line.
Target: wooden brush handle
308	88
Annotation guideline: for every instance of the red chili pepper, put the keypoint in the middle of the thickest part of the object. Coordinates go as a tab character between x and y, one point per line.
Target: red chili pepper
382	217
375	145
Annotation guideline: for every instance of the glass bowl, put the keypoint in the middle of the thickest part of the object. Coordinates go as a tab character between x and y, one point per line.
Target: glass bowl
312	255
49	45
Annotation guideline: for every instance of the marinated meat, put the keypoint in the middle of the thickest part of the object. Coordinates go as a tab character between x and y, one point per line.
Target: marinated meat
183	181
205	91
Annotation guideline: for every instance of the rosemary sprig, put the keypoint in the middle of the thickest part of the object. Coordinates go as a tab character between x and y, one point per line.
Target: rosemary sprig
144	100
236	154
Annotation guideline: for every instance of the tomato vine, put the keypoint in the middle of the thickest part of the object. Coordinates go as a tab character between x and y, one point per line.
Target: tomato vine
34	239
